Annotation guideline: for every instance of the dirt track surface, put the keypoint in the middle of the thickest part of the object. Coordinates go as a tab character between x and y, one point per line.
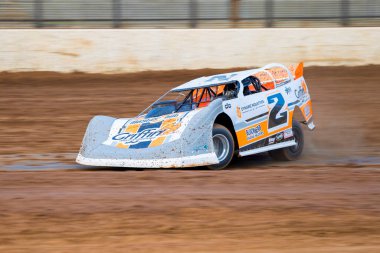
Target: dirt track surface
49	112
253	210
326	202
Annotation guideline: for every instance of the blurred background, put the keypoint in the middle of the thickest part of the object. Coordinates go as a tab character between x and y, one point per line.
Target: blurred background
188	13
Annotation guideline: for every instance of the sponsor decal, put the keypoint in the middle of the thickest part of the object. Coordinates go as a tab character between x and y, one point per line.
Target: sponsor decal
279	137
200	148
221	78
172	116
238	112
279	73
282	83
288	133
271	140
227	106
264	77
252	106
133	138
288	90
147	132
141	121
307	110
154	120
254	132
301	94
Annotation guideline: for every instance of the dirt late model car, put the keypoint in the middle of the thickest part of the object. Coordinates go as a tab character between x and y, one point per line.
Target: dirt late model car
206	121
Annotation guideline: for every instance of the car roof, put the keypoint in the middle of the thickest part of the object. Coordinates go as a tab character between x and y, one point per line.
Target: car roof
208	81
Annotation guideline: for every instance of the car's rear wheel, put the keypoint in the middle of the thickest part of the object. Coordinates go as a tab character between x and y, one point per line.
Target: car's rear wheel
293	152
223	143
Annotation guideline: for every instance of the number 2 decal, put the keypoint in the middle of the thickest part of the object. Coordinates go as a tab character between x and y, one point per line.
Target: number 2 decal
277	118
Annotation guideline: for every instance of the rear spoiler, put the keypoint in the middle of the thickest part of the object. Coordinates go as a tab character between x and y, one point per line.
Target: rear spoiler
297	71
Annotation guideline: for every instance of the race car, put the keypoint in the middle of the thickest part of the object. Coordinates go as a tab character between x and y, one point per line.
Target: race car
208	121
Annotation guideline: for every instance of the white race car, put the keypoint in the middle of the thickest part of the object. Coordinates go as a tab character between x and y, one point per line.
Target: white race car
206	121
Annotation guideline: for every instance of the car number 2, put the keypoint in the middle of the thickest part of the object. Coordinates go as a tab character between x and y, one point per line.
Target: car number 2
276	117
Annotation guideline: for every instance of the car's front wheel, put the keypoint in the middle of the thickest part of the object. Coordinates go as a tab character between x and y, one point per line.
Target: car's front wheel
223	143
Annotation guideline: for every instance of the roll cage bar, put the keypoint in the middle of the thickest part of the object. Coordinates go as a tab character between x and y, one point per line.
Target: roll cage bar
208	91
195	96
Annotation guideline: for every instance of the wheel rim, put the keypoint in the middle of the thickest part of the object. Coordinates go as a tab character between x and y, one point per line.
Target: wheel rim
221	146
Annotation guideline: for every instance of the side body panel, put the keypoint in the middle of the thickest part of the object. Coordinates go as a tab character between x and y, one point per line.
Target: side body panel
263	121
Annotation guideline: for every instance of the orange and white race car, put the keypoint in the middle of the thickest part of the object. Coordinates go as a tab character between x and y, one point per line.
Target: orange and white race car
206	121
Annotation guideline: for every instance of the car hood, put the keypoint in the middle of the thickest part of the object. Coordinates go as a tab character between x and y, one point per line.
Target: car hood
140	132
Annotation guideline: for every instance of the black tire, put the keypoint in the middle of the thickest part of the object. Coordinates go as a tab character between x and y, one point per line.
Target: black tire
293	152
225	141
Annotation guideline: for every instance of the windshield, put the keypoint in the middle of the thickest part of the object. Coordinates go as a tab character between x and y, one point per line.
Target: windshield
182	101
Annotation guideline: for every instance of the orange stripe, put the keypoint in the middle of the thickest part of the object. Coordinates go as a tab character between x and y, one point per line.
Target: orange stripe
132	128
158	141
121	145
303	110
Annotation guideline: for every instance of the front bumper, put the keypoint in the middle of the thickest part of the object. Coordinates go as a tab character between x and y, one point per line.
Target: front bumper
179	162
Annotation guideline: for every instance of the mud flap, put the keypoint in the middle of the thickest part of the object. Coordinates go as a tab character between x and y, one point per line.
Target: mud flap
309	124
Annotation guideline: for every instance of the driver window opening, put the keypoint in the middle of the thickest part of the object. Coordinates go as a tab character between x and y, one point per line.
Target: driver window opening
251	85
231	90
187	100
